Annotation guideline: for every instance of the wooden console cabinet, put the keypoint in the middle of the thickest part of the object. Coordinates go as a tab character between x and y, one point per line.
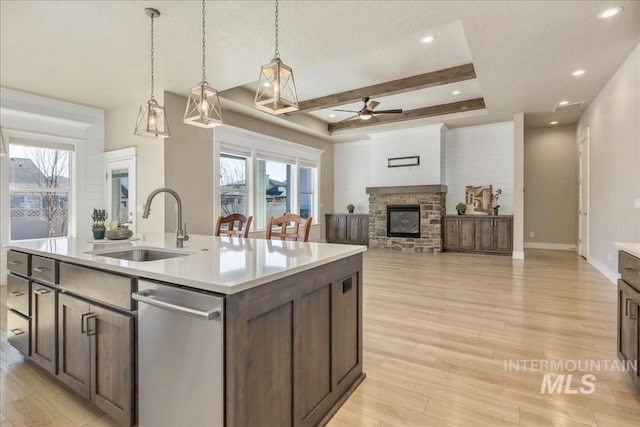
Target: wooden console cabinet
482	234
347	228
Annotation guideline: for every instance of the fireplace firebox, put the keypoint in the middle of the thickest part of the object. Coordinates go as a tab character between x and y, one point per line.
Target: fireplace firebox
403	221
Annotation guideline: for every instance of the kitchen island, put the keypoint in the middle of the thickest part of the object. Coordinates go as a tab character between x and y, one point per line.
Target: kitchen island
291	319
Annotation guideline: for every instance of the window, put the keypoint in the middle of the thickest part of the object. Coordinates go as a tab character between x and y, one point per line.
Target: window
39	184
274	190
233	185
306	194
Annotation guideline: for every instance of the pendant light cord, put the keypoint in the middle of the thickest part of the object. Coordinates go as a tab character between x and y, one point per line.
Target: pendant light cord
277	53
152	58
204	78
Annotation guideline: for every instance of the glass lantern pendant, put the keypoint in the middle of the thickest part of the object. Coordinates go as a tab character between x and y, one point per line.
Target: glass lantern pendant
152	120
203	106
276	92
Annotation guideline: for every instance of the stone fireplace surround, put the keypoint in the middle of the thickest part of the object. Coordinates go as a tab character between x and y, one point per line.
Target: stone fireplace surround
432	201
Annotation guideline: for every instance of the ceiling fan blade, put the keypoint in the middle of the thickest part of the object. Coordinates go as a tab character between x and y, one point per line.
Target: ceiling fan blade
347	111
372	105
397	111
349	118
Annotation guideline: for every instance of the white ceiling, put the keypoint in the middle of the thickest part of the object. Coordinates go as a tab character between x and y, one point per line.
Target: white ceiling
97	52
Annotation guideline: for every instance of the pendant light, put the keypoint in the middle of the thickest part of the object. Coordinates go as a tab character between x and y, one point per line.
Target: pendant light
203	107
276	93
152	120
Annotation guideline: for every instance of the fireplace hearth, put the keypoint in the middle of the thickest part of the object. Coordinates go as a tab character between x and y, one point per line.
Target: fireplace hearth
403	221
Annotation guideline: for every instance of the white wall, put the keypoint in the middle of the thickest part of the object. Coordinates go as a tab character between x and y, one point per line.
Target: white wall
43	119
352	169
480	155
614	165
422	141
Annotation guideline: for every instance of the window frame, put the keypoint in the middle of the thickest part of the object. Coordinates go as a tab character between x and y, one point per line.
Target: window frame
10	190
253	146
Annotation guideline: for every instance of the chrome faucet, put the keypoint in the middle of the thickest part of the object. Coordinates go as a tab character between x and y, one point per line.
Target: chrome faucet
181	229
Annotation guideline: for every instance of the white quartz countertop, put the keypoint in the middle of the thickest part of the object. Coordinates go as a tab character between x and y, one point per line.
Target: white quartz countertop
630	248
217	264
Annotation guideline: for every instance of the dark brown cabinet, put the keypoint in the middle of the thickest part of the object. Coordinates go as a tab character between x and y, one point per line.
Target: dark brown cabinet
294	346
486	234
96	350
629	313
43	326
459	233
347	228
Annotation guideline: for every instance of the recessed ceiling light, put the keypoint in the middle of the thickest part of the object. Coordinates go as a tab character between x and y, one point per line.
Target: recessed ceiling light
332	115
428	39
577	73
455	92
610	13
563	102
553	123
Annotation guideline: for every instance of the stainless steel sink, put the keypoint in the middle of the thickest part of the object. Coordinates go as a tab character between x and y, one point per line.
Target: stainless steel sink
141	255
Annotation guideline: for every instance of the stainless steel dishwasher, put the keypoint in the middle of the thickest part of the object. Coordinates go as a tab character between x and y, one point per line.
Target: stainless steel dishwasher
180	357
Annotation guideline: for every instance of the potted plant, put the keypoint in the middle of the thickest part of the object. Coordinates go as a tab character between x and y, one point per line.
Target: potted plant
461	208
98	219
494	199
350	208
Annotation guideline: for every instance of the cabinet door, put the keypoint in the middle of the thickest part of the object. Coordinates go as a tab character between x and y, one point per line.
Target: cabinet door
336	228
484	234
74	344
451	233
112	357
466	233
503	235
43	327
357	229
628	321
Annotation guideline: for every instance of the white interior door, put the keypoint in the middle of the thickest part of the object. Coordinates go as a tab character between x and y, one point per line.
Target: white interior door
120	191
583	218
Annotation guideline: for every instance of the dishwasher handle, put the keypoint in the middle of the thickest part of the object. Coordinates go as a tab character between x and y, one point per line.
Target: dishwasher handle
146	297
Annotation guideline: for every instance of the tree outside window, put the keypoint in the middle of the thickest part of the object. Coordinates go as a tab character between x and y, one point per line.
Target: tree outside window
39	184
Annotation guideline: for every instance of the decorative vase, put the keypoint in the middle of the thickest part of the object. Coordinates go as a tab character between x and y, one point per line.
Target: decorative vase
351	211
460	213
495	210
98	234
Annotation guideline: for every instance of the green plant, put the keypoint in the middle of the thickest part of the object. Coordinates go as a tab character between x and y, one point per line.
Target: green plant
461	207
350	208
98	217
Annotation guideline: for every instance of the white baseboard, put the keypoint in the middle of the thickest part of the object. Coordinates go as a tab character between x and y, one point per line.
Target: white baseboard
517	255
606	272
553	246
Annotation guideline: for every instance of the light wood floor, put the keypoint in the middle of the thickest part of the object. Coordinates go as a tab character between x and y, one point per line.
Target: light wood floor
437	330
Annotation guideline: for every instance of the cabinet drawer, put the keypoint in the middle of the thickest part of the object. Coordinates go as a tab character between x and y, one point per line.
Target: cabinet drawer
18	294
105	287
629	268
19	332
44	270
18	263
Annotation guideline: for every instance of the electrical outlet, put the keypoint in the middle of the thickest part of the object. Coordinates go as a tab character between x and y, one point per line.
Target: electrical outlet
637	203
609	256
532	234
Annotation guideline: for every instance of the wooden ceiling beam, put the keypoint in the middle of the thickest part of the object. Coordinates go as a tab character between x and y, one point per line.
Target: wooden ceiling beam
419	113
421	81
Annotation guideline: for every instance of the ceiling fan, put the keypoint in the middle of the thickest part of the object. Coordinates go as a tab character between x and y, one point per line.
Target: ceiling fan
368	110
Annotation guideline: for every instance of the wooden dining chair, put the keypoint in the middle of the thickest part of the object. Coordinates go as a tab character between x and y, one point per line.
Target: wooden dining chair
244	224
299	231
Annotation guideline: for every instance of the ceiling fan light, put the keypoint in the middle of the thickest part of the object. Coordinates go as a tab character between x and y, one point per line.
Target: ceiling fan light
276	93
203	107
152	121
366	116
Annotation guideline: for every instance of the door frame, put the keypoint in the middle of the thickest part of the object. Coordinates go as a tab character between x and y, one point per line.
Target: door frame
119	159
583	202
